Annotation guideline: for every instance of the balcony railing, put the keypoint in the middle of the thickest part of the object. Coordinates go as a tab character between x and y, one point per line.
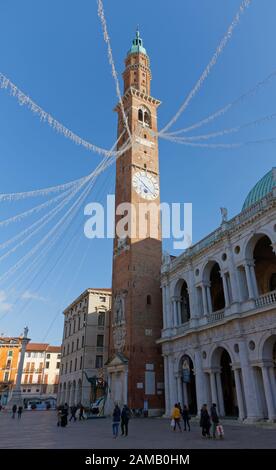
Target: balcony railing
266	299
216	316
229	225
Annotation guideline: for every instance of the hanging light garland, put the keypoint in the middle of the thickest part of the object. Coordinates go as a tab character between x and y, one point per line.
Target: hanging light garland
220	112
111	61
24	100
222	132
245	4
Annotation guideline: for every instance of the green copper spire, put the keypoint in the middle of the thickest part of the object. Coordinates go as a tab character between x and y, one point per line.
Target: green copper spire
137	44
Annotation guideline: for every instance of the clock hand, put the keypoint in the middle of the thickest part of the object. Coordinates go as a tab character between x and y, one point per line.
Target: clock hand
147	187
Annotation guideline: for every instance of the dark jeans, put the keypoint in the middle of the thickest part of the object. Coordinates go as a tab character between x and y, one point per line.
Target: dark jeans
206	431
73	417
124	427
115	429
177	422
186	423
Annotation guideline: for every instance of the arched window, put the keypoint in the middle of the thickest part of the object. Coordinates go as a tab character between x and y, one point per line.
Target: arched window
185	304
148	299
144	116
101	319
272	282
140	115
147	118
217	292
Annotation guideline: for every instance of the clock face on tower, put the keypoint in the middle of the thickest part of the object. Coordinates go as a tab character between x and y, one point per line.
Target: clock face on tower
146	185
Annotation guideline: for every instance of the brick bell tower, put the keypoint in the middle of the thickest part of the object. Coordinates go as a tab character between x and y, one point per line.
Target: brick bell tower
135	366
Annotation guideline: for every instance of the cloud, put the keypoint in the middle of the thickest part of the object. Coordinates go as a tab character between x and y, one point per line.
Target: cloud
4	305
28	295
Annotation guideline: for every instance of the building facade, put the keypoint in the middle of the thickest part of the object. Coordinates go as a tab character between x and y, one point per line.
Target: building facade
135	367
41	370
85	345
9	359
219	314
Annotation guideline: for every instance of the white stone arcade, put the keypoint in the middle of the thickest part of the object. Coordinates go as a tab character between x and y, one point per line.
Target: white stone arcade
219	317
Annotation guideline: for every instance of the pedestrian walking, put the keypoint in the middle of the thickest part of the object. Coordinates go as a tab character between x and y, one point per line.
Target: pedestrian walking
205	422
116	418
125	416
73	410
59	413
214	419
14	409
81	413
186	418
64	416
176	417
19	412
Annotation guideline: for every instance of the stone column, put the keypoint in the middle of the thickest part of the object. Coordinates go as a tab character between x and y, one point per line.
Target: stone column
164	307
239	394
179	391
254	280
251	397
249	281
268	394
209	299
16	398
204	298
220	395
213	388
200	382
225	290
178	303
167	386
126	387
172	388
174	312
273	382
192	293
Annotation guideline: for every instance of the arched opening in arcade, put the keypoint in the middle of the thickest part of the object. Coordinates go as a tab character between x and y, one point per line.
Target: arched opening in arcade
217	292
213	287
188	385
265	265
222	381
185	303
182	302
265	376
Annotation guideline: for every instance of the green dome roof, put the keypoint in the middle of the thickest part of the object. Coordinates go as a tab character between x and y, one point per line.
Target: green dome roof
261	189
137	45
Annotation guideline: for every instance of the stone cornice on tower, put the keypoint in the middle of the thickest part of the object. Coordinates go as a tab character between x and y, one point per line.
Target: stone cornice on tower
138	94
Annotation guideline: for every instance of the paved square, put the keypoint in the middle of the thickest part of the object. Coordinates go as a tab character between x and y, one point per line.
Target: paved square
38	430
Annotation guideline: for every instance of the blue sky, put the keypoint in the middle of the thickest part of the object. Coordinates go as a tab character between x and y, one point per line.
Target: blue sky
54	51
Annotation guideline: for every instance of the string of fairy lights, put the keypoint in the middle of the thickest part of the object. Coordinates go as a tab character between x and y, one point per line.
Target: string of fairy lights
66	199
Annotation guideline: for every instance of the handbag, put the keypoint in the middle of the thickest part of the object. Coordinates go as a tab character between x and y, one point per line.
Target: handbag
172	423
220	430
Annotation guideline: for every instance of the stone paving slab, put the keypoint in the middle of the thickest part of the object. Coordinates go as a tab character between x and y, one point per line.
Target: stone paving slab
38	430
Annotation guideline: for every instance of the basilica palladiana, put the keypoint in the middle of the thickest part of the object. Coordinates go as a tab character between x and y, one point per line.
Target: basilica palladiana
219	314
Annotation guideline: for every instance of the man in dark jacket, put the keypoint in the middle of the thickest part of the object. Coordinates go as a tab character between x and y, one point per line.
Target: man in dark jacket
205	421
125	415
214	418
14	408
